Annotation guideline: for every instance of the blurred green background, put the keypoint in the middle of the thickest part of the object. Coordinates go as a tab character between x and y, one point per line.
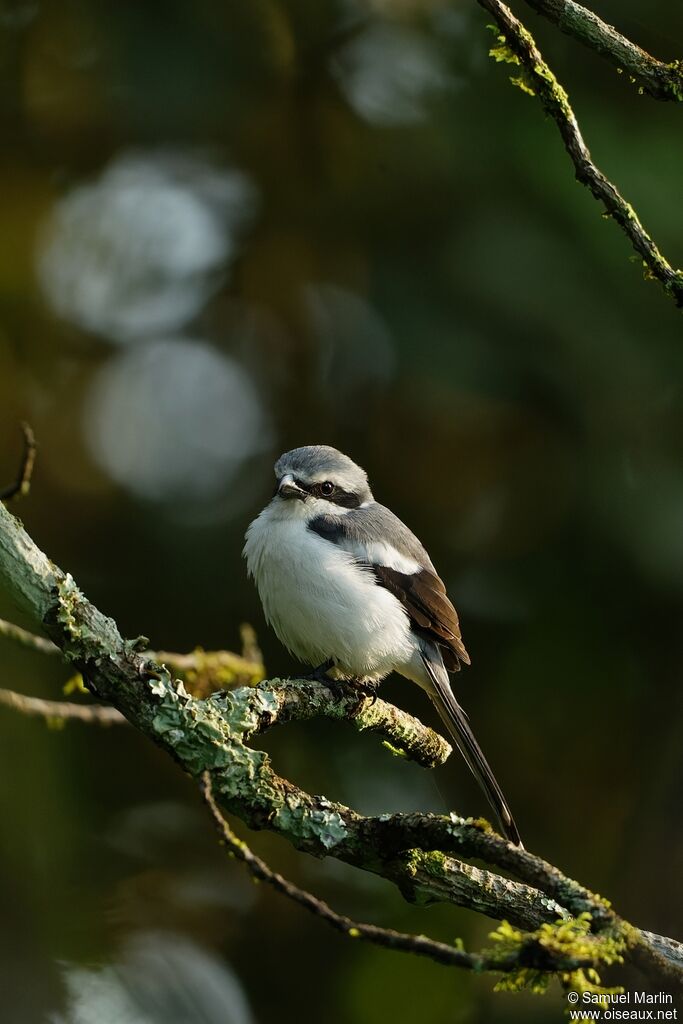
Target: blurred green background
233	228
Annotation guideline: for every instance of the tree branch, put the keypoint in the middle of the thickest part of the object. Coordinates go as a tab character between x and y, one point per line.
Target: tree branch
521	957
413	851
202	671
301	699
387	937
22	484
27	639
517	46
660	80
60	710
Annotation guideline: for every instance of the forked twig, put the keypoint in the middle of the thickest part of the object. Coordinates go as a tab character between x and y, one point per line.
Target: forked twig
22	485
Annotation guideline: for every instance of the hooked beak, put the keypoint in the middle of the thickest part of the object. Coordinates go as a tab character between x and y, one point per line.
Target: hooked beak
289	489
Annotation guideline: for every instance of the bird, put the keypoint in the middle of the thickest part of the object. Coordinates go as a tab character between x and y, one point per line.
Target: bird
348	588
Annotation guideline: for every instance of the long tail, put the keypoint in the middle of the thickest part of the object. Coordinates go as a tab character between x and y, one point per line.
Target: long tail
456	722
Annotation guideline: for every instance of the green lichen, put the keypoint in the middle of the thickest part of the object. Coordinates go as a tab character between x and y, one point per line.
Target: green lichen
323	824
74	684
479	823
83	629
523	82
433	864
426	747
194	729
531	79
158	685
412	861
396	751
243	708
567	948
68	595
208	734
524	979
436	863
676	79
503	54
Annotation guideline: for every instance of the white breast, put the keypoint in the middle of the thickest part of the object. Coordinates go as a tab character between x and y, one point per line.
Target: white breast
321	603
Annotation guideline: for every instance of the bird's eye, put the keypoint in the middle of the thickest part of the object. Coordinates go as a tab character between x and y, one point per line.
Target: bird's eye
327	488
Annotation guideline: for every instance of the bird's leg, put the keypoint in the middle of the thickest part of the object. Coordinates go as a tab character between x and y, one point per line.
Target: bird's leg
364	686
319	674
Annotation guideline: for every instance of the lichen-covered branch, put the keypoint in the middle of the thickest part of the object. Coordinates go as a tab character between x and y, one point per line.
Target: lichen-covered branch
516	46
515	952
419	853
655	77
259	870
301	699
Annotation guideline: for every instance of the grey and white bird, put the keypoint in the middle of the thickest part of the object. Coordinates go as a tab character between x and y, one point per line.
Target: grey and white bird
348	588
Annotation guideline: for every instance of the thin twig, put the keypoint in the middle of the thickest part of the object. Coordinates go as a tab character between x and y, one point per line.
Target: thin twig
519	47
202	671
387	937
22	485
420	945
26	639
660	80
61	710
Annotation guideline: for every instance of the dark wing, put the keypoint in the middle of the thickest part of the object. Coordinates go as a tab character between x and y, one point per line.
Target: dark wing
424	597
375	536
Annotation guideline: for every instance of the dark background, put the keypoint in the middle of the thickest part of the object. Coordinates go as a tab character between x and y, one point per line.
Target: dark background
229	229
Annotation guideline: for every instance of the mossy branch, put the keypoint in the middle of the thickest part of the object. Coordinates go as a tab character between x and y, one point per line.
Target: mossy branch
202	671
658	79
552	947
517	46
549	931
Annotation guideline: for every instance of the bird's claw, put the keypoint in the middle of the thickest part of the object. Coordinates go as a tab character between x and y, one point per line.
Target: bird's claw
368	689
362	686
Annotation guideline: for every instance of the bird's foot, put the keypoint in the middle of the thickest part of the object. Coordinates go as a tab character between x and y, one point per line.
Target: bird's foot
369	688
319	674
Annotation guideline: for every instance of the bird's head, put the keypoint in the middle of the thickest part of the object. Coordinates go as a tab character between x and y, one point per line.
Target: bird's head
320	476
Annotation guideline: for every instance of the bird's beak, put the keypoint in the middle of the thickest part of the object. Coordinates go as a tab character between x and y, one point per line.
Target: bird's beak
289	489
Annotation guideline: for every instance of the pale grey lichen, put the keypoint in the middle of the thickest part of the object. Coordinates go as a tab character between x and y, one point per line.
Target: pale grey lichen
322	824
242	708
158	687
195	729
